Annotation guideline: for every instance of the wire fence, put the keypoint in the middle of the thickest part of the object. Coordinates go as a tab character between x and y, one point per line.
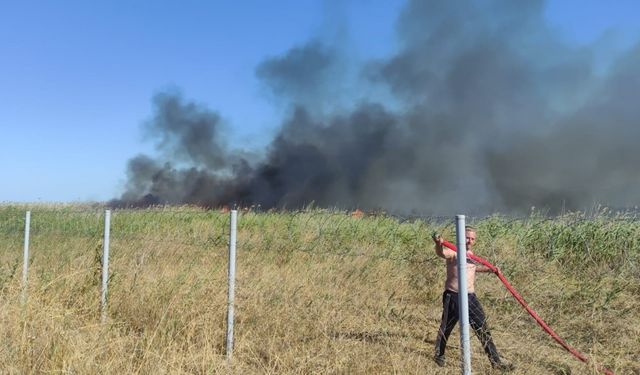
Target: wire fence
344	285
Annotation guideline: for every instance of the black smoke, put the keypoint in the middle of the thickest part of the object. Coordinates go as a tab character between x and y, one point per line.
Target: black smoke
490	110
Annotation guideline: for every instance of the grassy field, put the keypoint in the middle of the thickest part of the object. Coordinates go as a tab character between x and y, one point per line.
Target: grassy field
318	292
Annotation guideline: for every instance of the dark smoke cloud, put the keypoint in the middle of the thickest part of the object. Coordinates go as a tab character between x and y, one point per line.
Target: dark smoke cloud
193	166
185	132
496	113
591	155
304	74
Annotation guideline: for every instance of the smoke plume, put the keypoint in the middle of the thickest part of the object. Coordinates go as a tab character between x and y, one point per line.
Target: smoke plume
492	112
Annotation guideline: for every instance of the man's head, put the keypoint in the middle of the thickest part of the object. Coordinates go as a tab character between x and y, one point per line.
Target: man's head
470	235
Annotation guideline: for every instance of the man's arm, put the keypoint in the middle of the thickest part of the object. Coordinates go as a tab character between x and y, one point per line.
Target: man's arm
441	251
482	268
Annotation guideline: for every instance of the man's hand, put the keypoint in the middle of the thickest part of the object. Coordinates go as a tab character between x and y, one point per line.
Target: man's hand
437	238
440	251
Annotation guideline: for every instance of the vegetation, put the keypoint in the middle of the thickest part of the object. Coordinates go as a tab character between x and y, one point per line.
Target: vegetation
318	291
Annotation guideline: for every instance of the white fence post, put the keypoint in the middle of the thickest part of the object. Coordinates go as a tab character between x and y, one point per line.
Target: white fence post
105	264
25	264
231	283
463	298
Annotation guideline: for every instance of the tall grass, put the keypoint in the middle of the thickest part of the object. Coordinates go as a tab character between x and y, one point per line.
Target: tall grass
318	291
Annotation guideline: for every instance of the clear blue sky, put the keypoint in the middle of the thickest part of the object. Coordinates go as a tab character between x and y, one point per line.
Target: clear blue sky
78	77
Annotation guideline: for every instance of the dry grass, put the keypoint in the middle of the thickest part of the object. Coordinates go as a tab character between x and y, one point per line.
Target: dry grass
317	292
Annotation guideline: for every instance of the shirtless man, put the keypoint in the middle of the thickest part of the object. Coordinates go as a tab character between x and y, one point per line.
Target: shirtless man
477	318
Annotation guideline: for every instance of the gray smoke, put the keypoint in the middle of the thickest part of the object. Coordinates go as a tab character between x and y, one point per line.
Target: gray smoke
492	112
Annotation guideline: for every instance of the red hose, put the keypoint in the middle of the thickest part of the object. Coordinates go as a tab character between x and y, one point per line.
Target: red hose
522	302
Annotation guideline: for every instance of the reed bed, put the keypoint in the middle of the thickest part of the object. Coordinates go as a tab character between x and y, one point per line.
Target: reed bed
318	292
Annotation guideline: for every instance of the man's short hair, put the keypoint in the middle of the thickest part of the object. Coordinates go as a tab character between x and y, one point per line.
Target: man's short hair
469	228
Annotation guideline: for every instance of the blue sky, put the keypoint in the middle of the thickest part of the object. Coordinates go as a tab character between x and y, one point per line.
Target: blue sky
78	77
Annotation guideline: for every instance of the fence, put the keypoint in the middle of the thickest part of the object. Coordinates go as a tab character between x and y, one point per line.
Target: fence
317	291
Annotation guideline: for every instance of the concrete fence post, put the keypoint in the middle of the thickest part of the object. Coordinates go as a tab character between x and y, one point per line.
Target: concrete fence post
25	264
231	283
463	298
105	265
